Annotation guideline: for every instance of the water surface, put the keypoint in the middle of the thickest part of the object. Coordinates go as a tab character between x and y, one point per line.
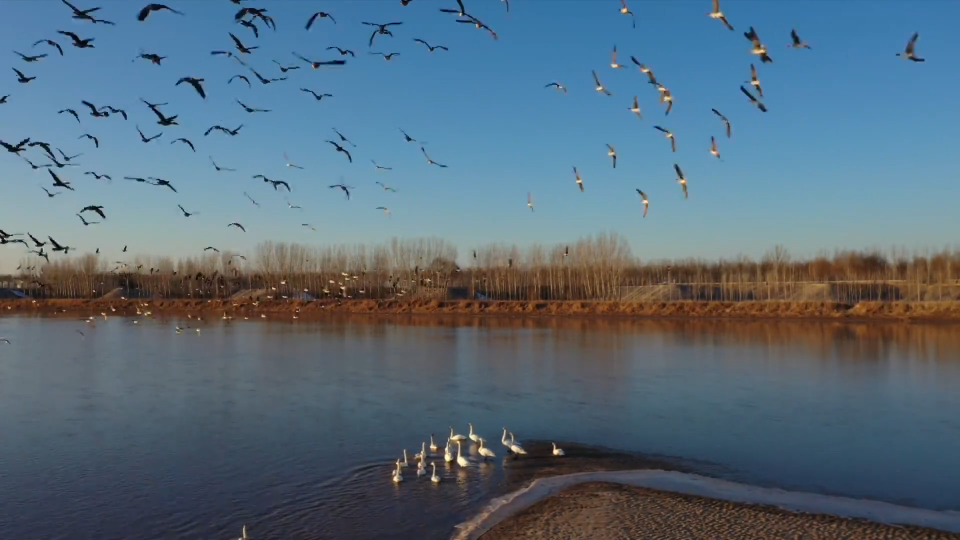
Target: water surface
291	426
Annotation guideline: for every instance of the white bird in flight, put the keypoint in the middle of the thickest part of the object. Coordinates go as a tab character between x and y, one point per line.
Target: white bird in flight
289	163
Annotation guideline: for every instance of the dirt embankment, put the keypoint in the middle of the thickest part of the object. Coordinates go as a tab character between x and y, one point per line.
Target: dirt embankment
930	311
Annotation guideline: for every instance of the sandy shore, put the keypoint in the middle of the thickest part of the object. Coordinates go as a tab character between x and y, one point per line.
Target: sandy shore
613	512
926	311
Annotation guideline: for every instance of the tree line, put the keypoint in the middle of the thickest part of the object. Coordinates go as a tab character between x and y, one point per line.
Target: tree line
600	267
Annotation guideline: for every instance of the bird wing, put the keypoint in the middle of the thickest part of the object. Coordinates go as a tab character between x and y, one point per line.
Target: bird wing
679	172
596	79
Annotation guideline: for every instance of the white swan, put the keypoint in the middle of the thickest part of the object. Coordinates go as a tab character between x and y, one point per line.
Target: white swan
456	437
516	448
397	477
434	478
558	451
503	440
404	463
484	451
461	461
421	468
422	454
447	456
243	534
473	436
433	445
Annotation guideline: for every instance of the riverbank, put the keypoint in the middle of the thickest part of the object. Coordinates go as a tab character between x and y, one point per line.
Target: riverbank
613	511
894	311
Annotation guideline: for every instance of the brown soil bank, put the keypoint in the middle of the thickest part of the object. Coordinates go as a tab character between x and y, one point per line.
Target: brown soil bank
929	311
615	512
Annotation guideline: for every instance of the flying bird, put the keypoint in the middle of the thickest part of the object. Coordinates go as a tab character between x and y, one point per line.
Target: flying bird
343	52
613	60
646	202
211	248
195	83
85	222
344	139
796	42
342	149
241	48
70	112
77	41
754	81
21	78
99	176
682	180
241	77
149	8
162	120
322	15
635	109
724	119
382	29
345	188
50	195
59	183
231	132
386	56
251	26
237	225
284	69
94	111
264	80
612	153
66	158
717	14
161	182
380	168
290	163
385	187
530	201
146	139
908	53
386	211
219	168
30	59
556	85
600	87
153	58
317	64
187	214
626	11
315	95
251	109
293	206
758	48
277	183
713	148
430	47
94	208
185	141
576	174
407	137
668	134
430	161
255	203
51	43
753	100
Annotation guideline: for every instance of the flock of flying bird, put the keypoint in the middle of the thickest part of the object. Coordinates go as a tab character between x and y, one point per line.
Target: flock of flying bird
254	19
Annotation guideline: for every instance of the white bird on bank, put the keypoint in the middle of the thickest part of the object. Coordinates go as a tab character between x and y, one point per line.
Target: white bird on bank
455	437
433	477
484	451
473	436
558	451
397	477
243	534
461	461
515	446
433	445
503	440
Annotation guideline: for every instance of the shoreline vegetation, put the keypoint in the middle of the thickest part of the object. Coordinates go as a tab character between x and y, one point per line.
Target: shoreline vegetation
608	510
250	307
593	276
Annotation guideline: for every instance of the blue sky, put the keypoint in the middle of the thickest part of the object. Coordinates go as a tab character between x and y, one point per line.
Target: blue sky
854	152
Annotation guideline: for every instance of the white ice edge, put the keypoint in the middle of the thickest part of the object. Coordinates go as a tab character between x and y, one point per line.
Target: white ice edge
693	484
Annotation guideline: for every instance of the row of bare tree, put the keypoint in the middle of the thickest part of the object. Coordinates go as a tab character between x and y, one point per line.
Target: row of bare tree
594	268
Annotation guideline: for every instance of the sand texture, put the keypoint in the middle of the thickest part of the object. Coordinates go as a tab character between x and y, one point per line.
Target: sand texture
605	511
928	311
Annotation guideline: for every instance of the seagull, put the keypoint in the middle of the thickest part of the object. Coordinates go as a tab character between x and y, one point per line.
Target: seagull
381	29
145	12
153	58
613	61
669	134
647	71
754	80
600	87
264	80
646	202
717	14
51	43
409	138
579	180
162	182
255	203
666	97
251	109
59	183
185	141
218	168
99	176
195	83
753	100
530	201
797	43
681	179
713	148
613	154
626	11
758	48
50	195
343	52
85	222
316	65
431	48
386	56
188	214
251	26
94	208
241	77
293	206
96	142
240	46
430	161
724	119
289	163
70	112
29	59
907	53
277	183
146	139
322	15
385	187
342	149
386	211
77	42
635	109
556	85
237	225
379	167
21	78
315	95
343	139
346	189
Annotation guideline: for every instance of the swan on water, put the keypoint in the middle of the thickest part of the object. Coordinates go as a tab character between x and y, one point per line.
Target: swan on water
404	463
456	437
503	440
515	447
421	468
243	534
434	478
422	454
461	461
558	451
433	445
473	436
484	451
397	477
447	456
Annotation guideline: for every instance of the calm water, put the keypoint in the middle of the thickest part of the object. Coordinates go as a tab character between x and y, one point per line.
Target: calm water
292	427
